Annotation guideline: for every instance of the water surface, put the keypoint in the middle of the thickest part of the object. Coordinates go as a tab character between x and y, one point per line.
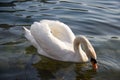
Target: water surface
98	20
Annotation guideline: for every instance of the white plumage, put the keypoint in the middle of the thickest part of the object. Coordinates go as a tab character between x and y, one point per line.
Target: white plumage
55	40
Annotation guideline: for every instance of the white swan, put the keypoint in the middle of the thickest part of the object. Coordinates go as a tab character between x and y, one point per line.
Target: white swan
55	40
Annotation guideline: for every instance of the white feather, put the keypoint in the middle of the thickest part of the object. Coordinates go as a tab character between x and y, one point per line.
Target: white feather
55	40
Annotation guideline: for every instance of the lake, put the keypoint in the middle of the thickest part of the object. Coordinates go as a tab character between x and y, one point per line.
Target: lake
98	20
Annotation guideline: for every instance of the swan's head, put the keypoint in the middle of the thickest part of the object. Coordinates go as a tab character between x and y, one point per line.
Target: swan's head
92	56
94	63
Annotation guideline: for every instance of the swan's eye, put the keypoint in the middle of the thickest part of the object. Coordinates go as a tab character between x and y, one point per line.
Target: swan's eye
93	60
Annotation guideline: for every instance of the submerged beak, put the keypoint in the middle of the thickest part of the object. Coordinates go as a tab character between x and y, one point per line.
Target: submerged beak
94	64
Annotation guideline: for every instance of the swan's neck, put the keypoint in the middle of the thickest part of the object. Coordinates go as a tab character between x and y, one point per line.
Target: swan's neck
88	49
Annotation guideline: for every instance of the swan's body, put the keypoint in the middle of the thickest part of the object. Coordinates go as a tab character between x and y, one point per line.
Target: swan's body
55	40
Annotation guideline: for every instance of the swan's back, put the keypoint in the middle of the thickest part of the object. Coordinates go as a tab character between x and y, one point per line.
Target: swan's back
60	30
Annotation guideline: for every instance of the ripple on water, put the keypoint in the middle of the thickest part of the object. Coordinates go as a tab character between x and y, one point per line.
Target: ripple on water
98	20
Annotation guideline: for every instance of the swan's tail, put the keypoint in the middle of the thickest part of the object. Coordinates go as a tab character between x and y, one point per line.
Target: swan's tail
29	36
27	32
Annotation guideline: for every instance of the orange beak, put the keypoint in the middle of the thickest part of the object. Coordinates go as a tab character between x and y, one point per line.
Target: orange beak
94	65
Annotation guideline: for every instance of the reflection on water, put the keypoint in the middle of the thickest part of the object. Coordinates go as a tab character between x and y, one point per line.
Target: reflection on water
98	20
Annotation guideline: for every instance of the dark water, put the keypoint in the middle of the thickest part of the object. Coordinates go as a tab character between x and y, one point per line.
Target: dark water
99	20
